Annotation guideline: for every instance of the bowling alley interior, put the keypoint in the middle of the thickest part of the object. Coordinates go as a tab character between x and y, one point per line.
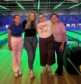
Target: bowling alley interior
68	12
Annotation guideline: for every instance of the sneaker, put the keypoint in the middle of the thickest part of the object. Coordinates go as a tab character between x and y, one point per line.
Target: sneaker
44	69
16	74
31	74
20	72
49	69
60	74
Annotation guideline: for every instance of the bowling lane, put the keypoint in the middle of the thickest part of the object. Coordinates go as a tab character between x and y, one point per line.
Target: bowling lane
2	37
74	35
75	31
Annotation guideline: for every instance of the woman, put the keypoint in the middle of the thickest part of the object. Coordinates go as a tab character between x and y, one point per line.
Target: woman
30	40
15	44
46	41
59	34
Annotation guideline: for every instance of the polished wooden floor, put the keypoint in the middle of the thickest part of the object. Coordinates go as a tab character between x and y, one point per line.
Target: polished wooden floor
7	76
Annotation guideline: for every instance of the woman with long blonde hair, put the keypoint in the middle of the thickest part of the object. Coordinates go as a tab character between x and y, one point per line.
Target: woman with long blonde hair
30	40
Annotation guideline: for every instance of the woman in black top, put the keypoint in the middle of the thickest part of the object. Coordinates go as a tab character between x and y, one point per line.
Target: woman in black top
30	40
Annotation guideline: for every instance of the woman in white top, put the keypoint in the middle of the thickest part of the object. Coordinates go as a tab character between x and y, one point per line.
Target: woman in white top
45	43
59	33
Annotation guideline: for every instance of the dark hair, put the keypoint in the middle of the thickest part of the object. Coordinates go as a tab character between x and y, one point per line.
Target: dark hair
15	17
40	14
53	14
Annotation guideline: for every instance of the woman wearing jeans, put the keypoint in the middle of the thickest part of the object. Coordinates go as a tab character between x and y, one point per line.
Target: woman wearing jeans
15	44
30	40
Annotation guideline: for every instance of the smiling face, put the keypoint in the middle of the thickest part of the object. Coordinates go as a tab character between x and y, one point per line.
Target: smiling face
32	16
17	19
54	18
41	18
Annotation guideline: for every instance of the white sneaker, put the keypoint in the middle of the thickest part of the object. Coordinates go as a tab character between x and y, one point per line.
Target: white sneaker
20	72
31	74
16	74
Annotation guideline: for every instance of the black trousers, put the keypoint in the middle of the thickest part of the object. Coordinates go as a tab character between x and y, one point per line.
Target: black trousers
47	55
59	57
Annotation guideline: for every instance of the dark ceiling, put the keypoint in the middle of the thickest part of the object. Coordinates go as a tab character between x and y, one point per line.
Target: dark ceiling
38	5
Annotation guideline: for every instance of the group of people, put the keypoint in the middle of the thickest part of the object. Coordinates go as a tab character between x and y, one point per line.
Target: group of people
52	37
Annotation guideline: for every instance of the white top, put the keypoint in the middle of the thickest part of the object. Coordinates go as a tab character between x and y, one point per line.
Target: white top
58	30
44	29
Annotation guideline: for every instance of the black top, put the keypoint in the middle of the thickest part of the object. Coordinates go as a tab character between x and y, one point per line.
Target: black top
30	32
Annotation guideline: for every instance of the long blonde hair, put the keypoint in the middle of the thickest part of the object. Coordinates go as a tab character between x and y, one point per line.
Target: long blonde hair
27	26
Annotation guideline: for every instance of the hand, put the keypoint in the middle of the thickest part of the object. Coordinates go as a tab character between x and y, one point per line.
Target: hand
10	47
61	48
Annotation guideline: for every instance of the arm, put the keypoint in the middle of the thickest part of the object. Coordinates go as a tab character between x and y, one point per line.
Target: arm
24	24
63	37
9	39
37	29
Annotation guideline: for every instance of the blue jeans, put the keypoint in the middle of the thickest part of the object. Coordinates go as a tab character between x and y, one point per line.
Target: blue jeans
30	44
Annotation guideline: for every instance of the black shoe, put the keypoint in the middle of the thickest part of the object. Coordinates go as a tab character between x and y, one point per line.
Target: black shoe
56	72
59	74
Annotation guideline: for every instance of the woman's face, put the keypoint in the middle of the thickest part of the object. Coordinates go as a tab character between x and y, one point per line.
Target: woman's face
54	18
41	18
17	20
32	16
